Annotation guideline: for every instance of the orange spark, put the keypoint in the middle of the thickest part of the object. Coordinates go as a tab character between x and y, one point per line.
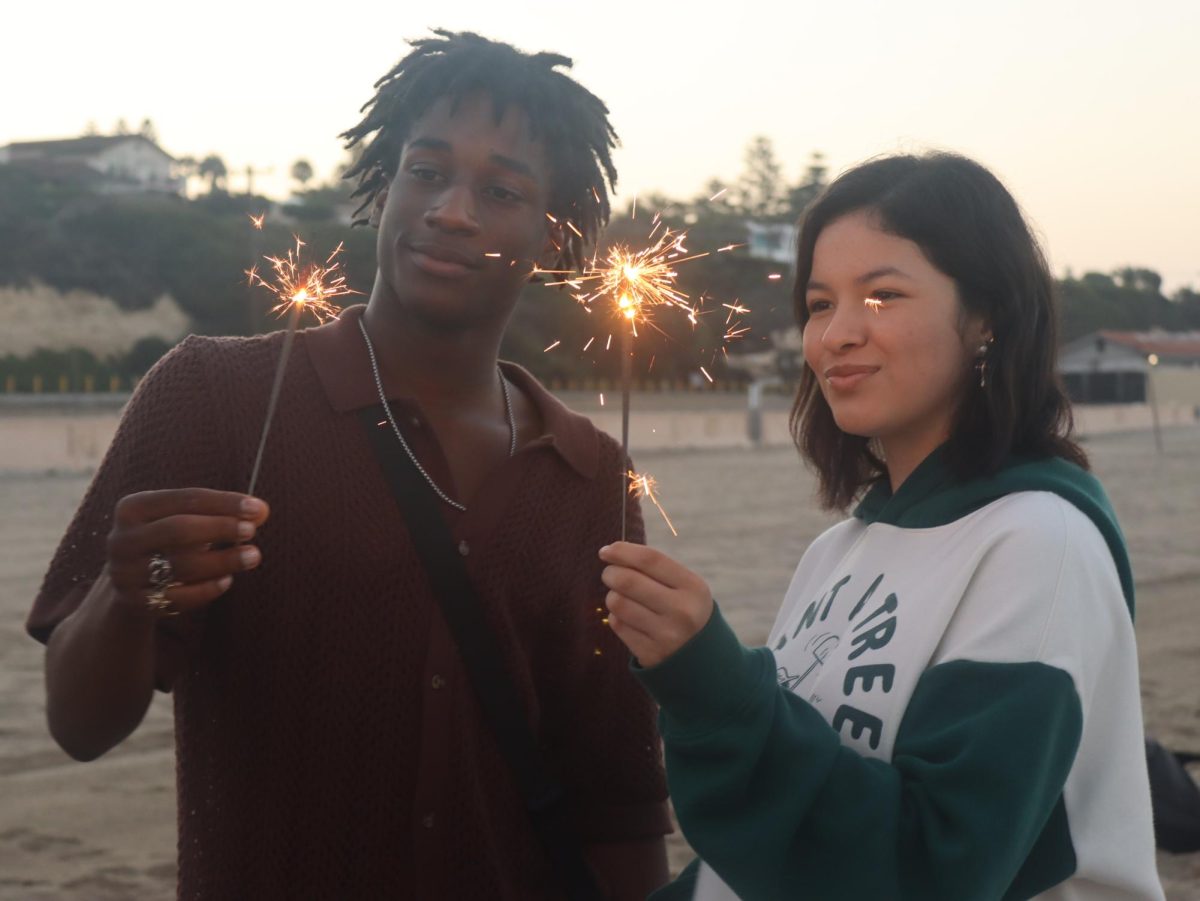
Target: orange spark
552	346
706	375
257	221
304	287
638	282
643	485
734	307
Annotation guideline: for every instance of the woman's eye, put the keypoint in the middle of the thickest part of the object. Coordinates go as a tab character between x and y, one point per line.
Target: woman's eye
878	297
818	306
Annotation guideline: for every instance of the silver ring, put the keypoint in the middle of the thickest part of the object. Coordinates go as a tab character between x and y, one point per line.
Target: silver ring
161	577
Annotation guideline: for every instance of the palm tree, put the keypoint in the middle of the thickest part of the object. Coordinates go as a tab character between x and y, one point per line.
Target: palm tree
213	168
302	171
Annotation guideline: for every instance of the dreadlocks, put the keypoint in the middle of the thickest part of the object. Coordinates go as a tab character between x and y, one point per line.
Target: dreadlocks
570	121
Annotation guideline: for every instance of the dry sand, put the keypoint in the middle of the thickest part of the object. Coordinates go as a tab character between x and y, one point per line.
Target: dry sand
106	830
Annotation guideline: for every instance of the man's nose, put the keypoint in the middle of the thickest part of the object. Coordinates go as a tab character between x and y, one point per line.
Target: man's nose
453	210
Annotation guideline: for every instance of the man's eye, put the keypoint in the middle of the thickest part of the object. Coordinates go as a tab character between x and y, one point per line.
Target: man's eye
503	194
424	173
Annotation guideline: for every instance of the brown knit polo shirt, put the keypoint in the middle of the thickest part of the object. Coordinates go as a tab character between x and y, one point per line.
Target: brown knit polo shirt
329	743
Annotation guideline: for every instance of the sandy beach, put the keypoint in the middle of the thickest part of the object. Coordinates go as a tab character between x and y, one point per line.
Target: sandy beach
106	830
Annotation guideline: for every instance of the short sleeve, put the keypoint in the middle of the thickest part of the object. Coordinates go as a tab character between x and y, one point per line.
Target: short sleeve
167	438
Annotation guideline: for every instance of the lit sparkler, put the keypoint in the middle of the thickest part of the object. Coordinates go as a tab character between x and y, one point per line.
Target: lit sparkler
643	485
298	288
637	283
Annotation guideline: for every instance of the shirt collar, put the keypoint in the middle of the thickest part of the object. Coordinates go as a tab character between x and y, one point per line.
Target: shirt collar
340	359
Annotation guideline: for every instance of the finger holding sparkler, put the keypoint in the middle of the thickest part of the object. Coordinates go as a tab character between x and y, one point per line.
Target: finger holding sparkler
656	605
298	288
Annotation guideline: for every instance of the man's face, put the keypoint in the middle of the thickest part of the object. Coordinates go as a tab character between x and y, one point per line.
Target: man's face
464	219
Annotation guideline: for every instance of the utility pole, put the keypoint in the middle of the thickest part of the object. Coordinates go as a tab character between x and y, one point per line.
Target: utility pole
251	170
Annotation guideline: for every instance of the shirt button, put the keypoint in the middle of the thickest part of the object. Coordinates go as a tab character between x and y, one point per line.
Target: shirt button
437	682
427	821
464	548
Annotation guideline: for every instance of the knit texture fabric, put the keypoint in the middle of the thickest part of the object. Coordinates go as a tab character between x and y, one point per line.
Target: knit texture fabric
329	744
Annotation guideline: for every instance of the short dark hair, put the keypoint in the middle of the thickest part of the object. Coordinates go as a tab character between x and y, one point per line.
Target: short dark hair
971	229
570	121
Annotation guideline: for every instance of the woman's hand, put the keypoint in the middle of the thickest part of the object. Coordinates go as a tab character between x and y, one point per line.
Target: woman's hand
655	605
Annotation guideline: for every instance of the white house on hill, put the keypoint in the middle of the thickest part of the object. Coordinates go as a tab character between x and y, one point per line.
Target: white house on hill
1113	367
118	163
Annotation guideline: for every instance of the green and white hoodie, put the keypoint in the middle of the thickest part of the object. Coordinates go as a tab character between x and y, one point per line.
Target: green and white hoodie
947	708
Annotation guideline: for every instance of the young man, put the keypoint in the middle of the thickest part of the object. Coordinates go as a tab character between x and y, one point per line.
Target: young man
329	741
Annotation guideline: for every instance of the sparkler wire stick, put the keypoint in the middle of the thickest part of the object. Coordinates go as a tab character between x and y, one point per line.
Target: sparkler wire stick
293	319
626	381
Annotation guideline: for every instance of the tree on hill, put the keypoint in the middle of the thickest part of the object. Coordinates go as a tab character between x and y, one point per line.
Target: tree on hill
302	171
213	168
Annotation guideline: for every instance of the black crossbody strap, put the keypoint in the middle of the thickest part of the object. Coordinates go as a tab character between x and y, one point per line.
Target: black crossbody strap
502	708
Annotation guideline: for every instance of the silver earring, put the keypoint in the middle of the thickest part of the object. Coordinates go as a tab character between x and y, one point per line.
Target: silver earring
981	365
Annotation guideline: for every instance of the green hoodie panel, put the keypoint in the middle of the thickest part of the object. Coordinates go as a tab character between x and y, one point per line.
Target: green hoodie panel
969	808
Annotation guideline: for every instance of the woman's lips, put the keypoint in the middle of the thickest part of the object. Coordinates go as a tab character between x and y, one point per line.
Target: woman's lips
845	378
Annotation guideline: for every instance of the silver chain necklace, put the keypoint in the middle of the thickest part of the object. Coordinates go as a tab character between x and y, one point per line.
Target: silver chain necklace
508	415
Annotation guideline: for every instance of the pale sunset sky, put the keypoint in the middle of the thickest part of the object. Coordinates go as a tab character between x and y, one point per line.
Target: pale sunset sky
1089	111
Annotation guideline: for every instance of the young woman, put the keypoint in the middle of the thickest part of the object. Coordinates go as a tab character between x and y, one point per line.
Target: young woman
948	707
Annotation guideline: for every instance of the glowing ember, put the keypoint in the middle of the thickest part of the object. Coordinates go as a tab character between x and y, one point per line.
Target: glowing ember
643	485
637	282
304	287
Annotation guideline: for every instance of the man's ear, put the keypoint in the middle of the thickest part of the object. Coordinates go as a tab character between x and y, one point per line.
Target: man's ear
377	204
551	255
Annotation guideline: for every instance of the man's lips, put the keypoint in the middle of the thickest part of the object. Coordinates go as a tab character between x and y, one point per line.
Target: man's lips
845	376
441	261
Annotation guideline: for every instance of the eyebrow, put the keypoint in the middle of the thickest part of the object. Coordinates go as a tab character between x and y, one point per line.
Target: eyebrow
506	162
862	279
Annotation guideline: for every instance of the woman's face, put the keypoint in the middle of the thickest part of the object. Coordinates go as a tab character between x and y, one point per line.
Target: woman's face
887	338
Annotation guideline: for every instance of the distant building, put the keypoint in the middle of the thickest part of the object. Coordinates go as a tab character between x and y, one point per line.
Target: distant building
113	163
1114	367
774	241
